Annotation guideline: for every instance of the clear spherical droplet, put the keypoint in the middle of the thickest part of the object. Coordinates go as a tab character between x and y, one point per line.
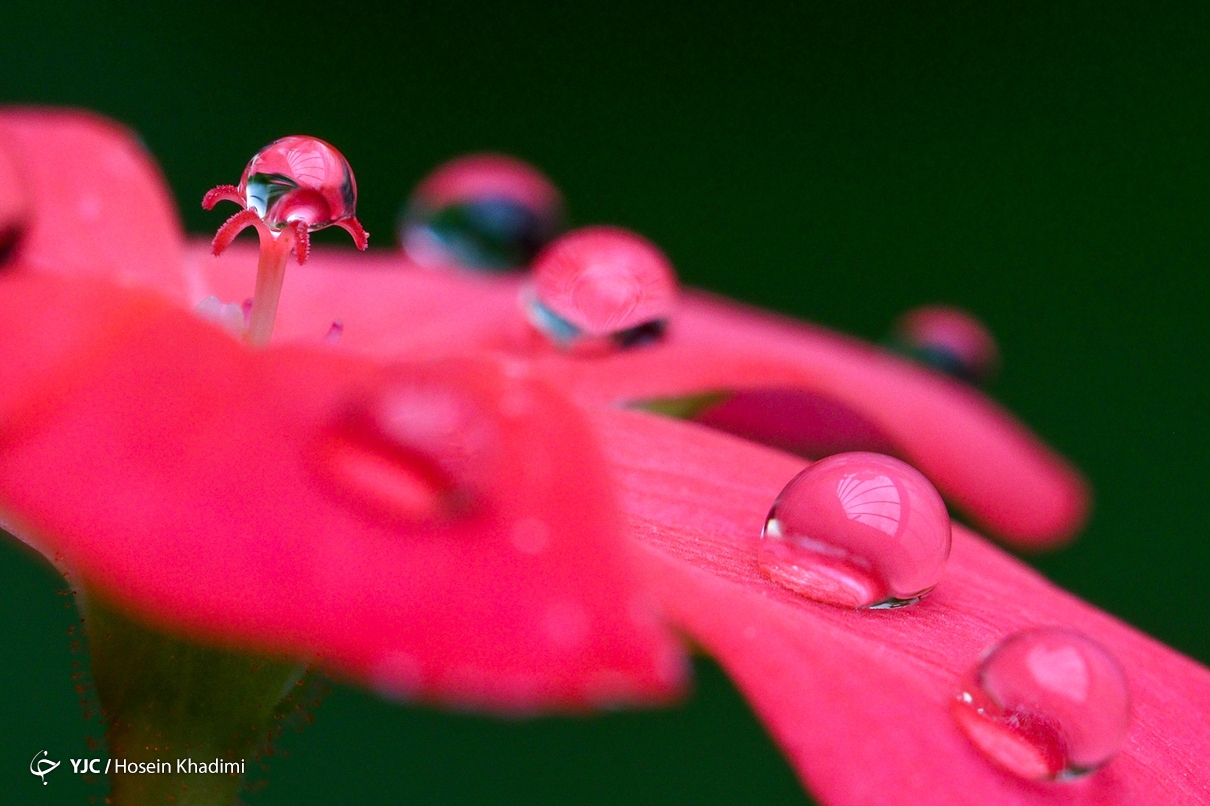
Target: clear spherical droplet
602	284
949	340
483	211
1046	704
857	530
299	178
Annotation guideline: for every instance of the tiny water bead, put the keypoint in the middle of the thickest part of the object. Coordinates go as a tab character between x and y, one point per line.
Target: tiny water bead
949	340
601	286
483	211
857	530
1046	704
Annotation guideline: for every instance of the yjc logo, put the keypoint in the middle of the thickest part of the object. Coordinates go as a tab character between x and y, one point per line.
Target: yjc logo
43	765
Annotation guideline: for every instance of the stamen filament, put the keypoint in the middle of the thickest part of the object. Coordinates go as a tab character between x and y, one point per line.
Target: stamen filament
270	274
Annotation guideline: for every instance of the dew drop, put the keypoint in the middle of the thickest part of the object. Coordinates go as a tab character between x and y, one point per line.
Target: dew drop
1047	704
949	340
413	452
601	287
859	530
482	211
299	178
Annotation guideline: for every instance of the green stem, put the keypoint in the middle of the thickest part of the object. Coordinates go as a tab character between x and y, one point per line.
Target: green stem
166	699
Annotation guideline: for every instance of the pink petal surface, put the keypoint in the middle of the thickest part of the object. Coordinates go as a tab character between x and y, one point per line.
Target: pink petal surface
860	701
14	202
194	481
98	205
979	456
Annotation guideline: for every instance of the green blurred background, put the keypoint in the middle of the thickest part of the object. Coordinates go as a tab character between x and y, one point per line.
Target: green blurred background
1043	166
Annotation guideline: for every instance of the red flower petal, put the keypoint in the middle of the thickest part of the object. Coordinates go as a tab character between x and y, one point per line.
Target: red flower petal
14	204
98	205
304	502
975	453
860	701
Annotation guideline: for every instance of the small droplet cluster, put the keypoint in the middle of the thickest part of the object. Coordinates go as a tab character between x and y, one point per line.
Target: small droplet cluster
866	531
592	291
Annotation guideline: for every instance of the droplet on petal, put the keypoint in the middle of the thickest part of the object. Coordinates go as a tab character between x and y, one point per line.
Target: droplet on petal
949	340
601	286
299	178
1046	704
482	211
858	530
411	451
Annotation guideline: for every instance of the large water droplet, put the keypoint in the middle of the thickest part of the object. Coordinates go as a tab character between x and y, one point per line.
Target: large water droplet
1047	703
602	286
949	340
299	178
482	211
413	452
857	530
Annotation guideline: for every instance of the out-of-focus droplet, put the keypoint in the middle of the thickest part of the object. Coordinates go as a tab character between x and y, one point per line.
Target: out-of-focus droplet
1046	704
859	530
601	285
949	340
299	178
413	452
482	211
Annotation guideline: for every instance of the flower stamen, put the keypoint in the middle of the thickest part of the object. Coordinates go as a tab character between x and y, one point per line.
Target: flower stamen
292	187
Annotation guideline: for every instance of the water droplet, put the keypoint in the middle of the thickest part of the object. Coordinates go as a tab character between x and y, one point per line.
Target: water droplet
1046	704
949	340
482	211
602	286
857	530
299	178
412	451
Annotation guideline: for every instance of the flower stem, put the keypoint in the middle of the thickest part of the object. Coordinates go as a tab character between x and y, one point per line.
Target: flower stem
270	273
168	700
